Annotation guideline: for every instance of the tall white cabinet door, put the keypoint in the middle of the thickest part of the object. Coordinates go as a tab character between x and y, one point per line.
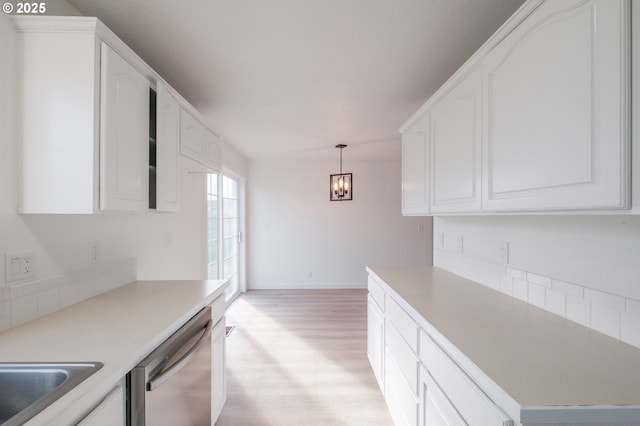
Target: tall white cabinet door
375	340
124	135
456	142
168	145
218	369
415	195
556	105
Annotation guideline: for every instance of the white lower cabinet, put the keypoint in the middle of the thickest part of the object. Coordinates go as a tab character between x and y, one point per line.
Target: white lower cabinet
469	400
218	369
422	384
109	412
400	397
375	340
435	407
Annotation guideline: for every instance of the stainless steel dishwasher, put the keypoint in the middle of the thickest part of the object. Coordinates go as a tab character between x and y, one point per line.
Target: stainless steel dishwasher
172	386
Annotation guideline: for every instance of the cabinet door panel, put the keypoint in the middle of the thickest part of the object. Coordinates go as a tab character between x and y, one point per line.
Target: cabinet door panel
468	399
375	340
455	148
556	132
400	398
168	135
124	135
192	143
415	200
110	412
435	407
218	369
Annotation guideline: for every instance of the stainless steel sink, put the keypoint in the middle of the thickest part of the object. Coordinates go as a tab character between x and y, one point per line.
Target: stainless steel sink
28	388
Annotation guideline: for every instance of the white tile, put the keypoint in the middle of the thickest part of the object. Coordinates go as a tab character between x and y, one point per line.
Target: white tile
633	306
537	295
631	329
506	284
606	320
48	301
579	310
556	302
24	309
539	279
568	288
607	299
489	279
517	273
24	289
68	294
86	289
520	289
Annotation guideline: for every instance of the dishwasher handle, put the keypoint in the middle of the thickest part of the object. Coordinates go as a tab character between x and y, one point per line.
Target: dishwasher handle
158	380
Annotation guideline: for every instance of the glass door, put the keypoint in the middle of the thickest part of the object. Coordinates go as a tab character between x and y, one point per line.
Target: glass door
223	240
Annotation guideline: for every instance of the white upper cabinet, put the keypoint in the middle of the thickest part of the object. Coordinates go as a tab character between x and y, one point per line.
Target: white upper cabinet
455	160
84	118
192	142
199	143
538	120
124	135
415	184
556	133
167	149
212	152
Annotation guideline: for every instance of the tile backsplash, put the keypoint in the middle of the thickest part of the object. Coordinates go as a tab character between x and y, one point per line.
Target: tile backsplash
23	302
614	315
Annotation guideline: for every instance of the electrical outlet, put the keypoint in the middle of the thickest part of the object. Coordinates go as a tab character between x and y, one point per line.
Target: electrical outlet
19	266
459	244
94	252
503	251
441	240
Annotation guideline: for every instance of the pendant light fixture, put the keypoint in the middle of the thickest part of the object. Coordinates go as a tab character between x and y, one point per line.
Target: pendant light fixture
341	185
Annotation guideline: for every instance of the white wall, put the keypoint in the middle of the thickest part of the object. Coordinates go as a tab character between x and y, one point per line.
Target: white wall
165	245
294	230
585	268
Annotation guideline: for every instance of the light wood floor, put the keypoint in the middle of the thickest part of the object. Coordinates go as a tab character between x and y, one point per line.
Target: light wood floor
298	358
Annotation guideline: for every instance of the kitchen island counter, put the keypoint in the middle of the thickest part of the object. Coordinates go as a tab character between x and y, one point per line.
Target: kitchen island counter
117	328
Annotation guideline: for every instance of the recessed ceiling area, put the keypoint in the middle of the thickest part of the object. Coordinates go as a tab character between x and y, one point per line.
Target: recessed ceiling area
296	77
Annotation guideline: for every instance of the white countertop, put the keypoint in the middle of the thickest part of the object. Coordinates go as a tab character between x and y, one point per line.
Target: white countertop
538	358
118	328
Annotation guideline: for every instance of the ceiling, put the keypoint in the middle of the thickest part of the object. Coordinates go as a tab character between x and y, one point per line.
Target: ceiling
296	77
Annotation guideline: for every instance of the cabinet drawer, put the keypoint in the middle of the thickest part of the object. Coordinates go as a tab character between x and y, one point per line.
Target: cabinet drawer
217	308
405	325
376	292
470	401
402	402
404	356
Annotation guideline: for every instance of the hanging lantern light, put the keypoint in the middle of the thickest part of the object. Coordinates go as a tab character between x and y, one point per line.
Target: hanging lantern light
341	185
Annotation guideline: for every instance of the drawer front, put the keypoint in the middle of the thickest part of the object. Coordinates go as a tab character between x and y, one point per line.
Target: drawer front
470	401
407	360
402	402
218	308
376	291
405	325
